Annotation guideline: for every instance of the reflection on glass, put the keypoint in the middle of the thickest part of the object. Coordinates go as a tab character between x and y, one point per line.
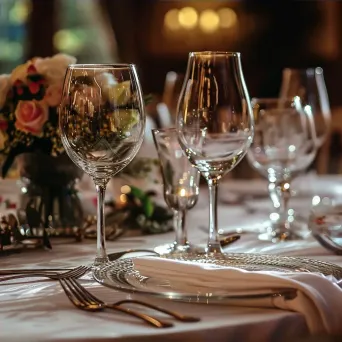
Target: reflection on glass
309	85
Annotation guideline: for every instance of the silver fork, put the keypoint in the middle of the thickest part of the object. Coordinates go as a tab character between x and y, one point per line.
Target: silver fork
176	315
83	300
74	273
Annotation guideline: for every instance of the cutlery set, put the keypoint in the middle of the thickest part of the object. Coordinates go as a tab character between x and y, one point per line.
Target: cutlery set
84	300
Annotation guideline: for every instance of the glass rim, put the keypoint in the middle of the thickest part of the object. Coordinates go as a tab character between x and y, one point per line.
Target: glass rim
164	131
102	66
273	99
215	53
314	70
268	100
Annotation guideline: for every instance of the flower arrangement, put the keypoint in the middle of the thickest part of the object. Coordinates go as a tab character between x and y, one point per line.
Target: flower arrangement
29	97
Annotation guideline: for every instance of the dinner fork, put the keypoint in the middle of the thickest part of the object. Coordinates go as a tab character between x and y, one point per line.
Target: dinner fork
74	273
177	316
82	300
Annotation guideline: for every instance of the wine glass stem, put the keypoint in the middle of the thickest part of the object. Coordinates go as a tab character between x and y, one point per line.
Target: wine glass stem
213	242
280	193
181	235
101	254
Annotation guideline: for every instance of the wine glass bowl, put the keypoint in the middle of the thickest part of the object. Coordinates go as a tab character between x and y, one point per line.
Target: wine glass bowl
102	120
214	121
282	146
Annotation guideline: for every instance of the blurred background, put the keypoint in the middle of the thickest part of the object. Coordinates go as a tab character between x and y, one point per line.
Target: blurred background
157	36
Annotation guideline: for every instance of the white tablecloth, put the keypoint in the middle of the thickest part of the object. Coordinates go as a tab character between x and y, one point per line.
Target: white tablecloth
40	311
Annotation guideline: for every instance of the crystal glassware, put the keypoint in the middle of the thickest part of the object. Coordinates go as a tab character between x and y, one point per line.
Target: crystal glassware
309	85
180	183
102	121
214	122
284	145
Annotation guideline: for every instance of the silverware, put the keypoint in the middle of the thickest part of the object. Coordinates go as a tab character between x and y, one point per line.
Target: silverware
74	273
176	315
28	271
328	243
226	241
84	300
117	255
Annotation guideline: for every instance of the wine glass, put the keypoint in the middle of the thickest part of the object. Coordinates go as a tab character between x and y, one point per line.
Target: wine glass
181	186
309	85
214	122
102	121
284	145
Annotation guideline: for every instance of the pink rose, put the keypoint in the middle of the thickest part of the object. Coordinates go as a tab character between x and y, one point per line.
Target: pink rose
31	116
53	95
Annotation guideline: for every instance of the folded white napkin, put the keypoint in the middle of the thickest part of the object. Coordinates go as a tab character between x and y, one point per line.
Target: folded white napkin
318	298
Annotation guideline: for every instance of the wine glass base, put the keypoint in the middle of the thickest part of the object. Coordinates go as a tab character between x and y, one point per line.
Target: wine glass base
173	248
281	232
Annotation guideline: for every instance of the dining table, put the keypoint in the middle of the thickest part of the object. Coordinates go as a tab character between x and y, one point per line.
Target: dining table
38	310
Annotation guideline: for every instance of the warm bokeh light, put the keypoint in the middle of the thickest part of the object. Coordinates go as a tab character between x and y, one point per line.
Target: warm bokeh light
228	17
67	41
171	20
125	189
188	17
209	21
123	198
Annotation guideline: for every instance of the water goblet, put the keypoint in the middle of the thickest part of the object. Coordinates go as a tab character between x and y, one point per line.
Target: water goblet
102	121
180	185
214	122
284	145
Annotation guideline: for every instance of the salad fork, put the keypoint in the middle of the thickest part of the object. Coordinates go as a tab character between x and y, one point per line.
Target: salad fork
74	273
83	300
177	316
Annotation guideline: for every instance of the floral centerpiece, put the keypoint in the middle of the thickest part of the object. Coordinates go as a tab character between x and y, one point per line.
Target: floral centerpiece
29	97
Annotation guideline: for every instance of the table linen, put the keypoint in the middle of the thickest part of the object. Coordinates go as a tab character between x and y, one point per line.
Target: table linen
39	311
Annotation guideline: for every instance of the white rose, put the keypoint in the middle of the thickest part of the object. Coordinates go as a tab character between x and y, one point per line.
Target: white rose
5	86
53	68
106	79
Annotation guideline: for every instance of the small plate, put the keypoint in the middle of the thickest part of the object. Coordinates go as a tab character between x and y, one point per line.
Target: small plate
121	274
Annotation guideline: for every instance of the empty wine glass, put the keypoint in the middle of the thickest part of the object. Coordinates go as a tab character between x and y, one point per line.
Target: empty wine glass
181	186
102	121
214	122
309	85
284	145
